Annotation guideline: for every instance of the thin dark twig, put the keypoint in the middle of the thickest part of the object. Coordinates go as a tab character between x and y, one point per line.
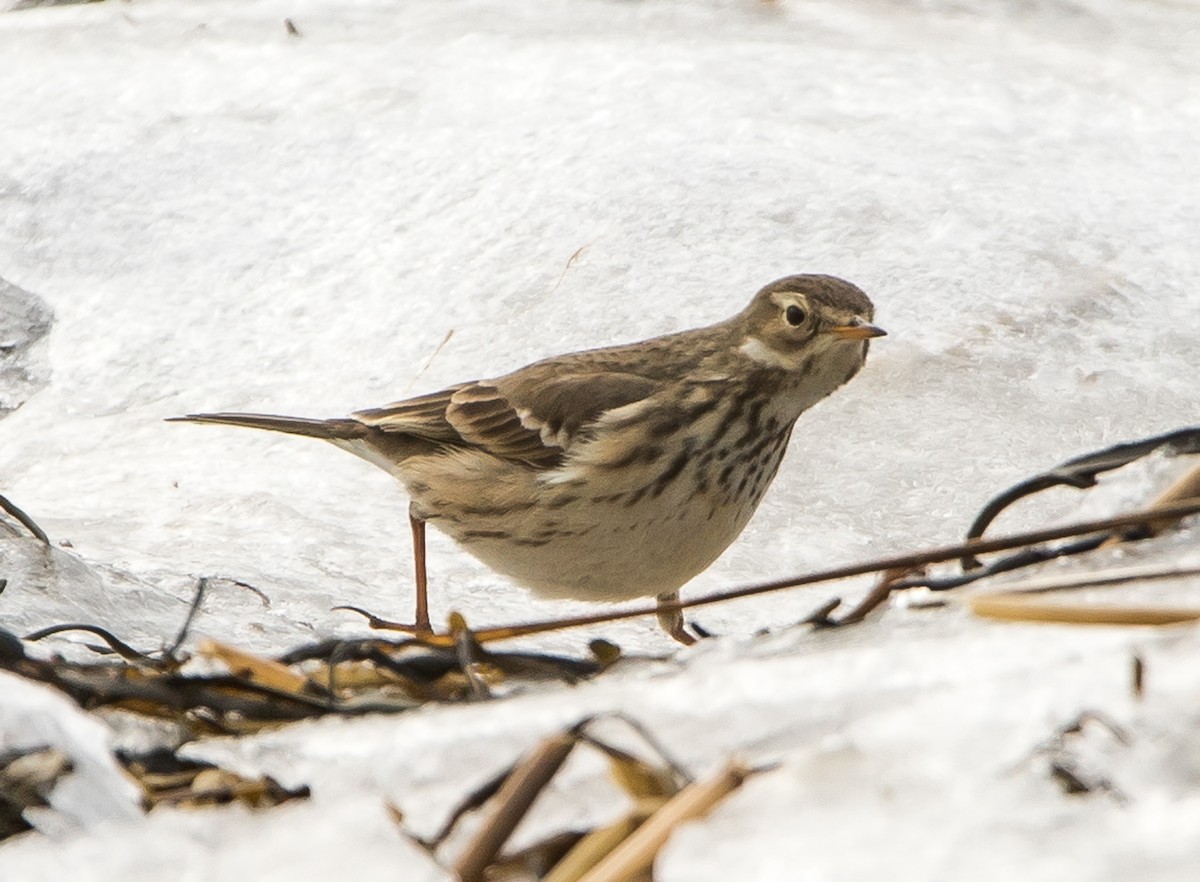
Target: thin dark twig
466	649
570	261
472	801
120	647
341	652
197	601
819	617
889	582
1023	558
902	561
262	595
676	767
25	520
1137	676
434	355
1028	487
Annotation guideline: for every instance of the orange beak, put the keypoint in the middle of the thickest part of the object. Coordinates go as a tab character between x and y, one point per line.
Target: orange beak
857	330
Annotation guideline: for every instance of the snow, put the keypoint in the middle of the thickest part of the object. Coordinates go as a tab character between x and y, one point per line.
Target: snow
223	216
33	717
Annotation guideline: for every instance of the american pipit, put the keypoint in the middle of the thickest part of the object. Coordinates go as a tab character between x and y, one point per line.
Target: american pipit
613	473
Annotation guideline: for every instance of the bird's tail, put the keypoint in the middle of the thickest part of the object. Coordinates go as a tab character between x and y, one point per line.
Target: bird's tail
328	430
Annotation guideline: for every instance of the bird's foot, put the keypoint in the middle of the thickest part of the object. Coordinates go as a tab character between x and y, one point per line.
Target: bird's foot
376	623
671	620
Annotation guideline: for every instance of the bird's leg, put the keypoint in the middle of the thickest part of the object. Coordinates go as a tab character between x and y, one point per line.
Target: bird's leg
670	618
421	617
420	626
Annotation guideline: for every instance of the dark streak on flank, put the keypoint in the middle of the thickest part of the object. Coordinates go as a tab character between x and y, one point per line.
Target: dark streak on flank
641	453
671	423
636	497
728	420
724	479
471	535
666	426
673	470
753	421
496	511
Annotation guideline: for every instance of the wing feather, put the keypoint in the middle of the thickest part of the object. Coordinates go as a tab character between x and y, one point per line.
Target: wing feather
424	417
531	416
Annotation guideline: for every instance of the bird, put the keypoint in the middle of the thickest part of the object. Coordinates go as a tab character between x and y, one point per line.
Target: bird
614	473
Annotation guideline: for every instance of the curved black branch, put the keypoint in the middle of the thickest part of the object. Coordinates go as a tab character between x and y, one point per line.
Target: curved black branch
117	645
25	520
1081	472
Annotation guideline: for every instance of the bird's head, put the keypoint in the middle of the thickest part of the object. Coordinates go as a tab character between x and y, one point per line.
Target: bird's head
816	325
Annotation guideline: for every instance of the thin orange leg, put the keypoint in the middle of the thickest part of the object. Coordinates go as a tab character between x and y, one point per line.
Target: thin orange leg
421	617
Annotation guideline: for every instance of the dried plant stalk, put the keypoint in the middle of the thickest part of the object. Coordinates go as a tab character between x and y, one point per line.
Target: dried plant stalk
1026	608
636	854
598	844
512	803
1185	489
263	671
1100	578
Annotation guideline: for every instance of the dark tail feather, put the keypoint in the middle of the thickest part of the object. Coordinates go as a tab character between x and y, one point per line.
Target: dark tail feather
328	430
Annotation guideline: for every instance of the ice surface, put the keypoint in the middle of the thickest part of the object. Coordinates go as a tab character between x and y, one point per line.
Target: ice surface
32	717
223	216
24	322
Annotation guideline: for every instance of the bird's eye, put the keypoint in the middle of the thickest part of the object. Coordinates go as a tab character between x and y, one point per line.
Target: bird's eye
795	315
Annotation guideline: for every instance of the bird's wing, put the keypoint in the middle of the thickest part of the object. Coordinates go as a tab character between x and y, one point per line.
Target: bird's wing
423	417
531	417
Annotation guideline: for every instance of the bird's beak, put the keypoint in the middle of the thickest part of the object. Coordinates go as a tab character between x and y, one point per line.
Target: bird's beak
857	330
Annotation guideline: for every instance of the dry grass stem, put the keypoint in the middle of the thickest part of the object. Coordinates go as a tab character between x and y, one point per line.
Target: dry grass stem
1025	608
255	669
1187	486
1098	579
635	855
513	801
601	842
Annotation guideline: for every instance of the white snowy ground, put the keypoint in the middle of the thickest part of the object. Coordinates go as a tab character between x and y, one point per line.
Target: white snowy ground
223	216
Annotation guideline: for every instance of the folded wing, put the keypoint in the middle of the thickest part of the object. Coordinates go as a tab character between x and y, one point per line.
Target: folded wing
532	416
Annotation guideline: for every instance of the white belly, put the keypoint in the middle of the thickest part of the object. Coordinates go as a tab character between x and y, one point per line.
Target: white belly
583	540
